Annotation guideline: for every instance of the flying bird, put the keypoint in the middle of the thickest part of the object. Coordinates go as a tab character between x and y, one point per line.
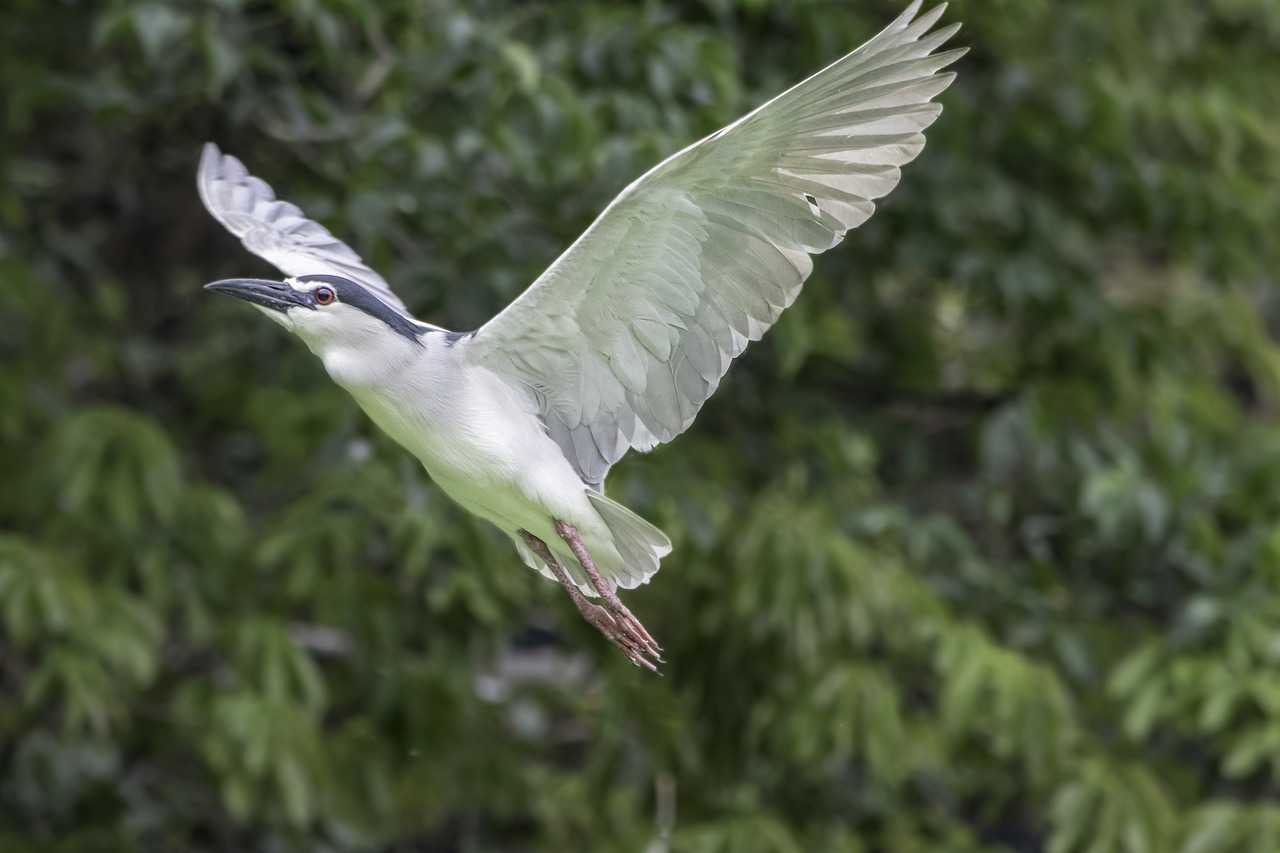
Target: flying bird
620	342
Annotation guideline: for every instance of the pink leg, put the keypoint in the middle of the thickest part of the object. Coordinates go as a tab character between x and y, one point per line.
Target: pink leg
611	602
598	616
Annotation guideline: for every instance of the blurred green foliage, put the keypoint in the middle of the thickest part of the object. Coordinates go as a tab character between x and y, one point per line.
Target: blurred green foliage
979	550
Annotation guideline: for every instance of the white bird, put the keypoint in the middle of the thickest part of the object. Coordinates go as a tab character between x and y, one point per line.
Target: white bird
620	342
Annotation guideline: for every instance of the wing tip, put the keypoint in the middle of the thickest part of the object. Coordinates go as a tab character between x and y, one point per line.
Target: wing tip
905	29
210	157
215	165
910	12
908	16
926	21
207	172
944	35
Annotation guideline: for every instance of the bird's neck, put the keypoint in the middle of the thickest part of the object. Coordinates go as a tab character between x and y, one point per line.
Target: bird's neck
371	363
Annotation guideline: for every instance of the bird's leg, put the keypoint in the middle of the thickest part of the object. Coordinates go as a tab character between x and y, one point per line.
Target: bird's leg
616	608
593	613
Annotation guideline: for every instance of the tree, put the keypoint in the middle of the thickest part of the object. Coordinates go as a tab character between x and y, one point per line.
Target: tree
976	551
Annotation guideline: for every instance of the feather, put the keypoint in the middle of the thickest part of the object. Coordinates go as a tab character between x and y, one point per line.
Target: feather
276	231
703	252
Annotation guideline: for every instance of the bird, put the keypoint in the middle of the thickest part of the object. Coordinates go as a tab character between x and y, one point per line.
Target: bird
619	343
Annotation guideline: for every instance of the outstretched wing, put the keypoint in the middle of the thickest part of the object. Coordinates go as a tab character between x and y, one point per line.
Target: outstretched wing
276	230
631	329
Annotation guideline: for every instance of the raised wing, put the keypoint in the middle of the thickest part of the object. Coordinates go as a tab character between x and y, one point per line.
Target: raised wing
631	329
276	230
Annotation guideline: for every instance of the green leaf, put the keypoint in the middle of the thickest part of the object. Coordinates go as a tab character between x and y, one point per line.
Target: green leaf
158	26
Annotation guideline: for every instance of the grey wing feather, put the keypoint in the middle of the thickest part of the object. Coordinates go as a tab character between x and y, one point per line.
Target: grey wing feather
628	333
277	231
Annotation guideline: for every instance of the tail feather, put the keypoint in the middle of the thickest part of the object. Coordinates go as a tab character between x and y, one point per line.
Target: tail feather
638	549
641	545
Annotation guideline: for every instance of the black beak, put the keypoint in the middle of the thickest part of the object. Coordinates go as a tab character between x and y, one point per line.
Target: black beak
275	295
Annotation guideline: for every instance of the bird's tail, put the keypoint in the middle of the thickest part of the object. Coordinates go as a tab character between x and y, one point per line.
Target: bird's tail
638	549
641	545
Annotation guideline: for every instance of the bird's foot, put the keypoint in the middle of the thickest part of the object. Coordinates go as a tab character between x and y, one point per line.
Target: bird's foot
615	622
630	624
620	634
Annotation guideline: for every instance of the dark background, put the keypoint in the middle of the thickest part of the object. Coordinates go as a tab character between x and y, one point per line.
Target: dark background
979	550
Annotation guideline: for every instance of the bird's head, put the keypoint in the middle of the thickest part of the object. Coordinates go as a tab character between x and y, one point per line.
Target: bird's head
355	333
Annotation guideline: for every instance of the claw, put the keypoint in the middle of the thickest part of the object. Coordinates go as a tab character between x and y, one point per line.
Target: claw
611	618
618	633
612	603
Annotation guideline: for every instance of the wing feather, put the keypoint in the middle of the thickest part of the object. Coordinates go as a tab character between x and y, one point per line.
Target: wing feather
277	231
629	332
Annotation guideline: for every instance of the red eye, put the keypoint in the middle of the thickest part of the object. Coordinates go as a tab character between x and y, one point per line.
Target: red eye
323	296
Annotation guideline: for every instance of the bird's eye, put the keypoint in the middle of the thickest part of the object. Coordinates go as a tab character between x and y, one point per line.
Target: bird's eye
324	296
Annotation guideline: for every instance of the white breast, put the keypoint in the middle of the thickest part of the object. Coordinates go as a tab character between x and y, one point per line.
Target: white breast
480	438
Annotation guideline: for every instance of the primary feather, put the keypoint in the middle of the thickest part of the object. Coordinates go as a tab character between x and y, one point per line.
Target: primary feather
277	231
629	332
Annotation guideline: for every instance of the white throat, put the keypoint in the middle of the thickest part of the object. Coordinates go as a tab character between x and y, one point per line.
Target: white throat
358	350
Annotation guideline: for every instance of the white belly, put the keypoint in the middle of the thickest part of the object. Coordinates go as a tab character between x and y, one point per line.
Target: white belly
484	443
